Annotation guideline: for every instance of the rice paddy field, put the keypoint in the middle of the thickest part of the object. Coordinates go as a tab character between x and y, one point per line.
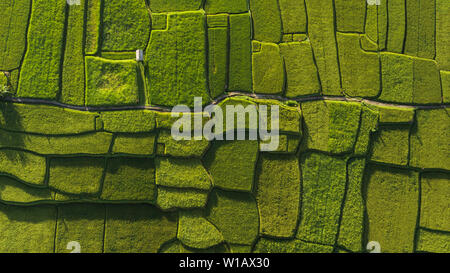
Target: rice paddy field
87	156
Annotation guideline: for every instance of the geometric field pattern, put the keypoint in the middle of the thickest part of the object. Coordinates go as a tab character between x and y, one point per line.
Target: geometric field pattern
86	152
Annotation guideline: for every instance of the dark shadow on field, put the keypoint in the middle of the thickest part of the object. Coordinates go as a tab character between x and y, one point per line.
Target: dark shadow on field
11	120
29	214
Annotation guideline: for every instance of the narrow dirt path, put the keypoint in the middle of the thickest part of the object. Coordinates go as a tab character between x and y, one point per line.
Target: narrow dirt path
217	101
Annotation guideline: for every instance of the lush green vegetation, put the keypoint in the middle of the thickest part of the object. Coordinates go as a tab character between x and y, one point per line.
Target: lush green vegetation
174	5
323	41
93	24
391	145
111	82
80	222
41	119
125	25
73	76
268	70
430	140
323	188
225	6
266	20
392	207
278	195
218	54
129	179
240	67
239	156
360	70
13	29
335	129
87	155
179	48
302	78
135	144
84	174
197	232
40	72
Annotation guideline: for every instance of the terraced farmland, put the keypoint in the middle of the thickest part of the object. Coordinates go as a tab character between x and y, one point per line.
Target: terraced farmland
86	152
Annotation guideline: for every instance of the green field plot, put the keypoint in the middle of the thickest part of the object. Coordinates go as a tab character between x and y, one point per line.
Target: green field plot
41	67
266	20
129	179
13	32
48	120
351	230
111	83
134	144
293	15
182	148
15	192
409	80
268	70
125	25
376	27
73	76
27	229
176	60
323	41
197	232
278	195
175	5
225	6
137	228
431	241
94	143
232	164
302	78
218	54
420	28
176	246
235	215
430	140
323	183
368	125
434	201
93	23
445	79
360	70
135	121
78	175
391	145
336	127
442	35
396	115
396	25
265	245
240	67
392	206
350	15
25	166
82	223
224	126
175	198
181	173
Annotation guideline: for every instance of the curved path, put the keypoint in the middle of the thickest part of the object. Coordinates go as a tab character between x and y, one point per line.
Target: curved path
217	101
